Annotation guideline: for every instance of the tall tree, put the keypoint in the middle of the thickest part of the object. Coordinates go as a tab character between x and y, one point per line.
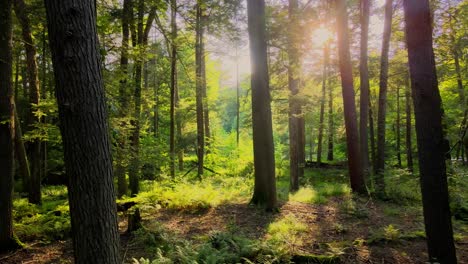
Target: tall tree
382	110
143	30
295	109
84	128
331	131
322	102
409	144
397	129
352	135
34	148
7	129
123	98
364	82
173	85
264	159
430	136
199	89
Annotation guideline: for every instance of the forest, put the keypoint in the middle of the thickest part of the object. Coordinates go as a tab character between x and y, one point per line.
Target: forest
231	131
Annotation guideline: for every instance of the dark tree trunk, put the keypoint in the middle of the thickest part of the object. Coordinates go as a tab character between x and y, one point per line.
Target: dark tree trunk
206	112
397	129
237	101
264	159
120	169
409	148
331	129
199	91
364	81
34	147
352	136
372	135
322	104
382	110
429	131
7	129
134	166
84	128
173	86
142	41
21	155
295	111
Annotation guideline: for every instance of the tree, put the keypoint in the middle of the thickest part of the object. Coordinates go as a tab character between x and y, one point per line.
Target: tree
84	128
34	192
7	129
173	85
264	159
352	135
322	102
429	131
409	146
199	88
295	111
364	82
382	110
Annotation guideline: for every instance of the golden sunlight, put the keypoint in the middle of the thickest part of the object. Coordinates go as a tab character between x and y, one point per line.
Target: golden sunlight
321	35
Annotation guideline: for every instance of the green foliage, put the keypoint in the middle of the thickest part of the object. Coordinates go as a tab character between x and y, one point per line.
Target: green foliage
284	234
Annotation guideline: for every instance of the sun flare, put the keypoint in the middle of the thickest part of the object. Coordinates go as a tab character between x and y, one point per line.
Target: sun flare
321	35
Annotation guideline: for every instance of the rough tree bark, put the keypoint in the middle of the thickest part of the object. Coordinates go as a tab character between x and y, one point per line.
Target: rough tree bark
430	136
34	148
382	110
7	129
352	136
84	128
264	159
364	82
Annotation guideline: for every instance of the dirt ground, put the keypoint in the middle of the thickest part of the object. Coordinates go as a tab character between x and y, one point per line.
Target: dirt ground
328	227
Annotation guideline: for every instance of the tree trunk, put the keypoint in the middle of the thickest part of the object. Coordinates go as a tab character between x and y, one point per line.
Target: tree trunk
295	111
429	131
264	159
173	86
331	128
409	148
364	81
199	91
372	135
352	135
84	128
7	127
322	104
206	112
397	129
237	100
34	97
120	170
20	153
382	110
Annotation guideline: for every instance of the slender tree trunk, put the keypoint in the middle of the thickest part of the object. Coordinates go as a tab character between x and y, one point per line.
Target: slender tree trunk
364	81
397	129
7	129
84	128
237	100
135	138
409	148
429	131
331	129
264	159
21	155
173	86
206	113
372	136
34	97
382	111
44	97
352	136
295	112
199	91
121	169
322	104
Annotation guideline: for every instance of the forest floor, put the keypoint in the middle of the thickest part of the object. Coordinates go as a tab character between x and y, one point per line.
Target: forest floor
339	229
